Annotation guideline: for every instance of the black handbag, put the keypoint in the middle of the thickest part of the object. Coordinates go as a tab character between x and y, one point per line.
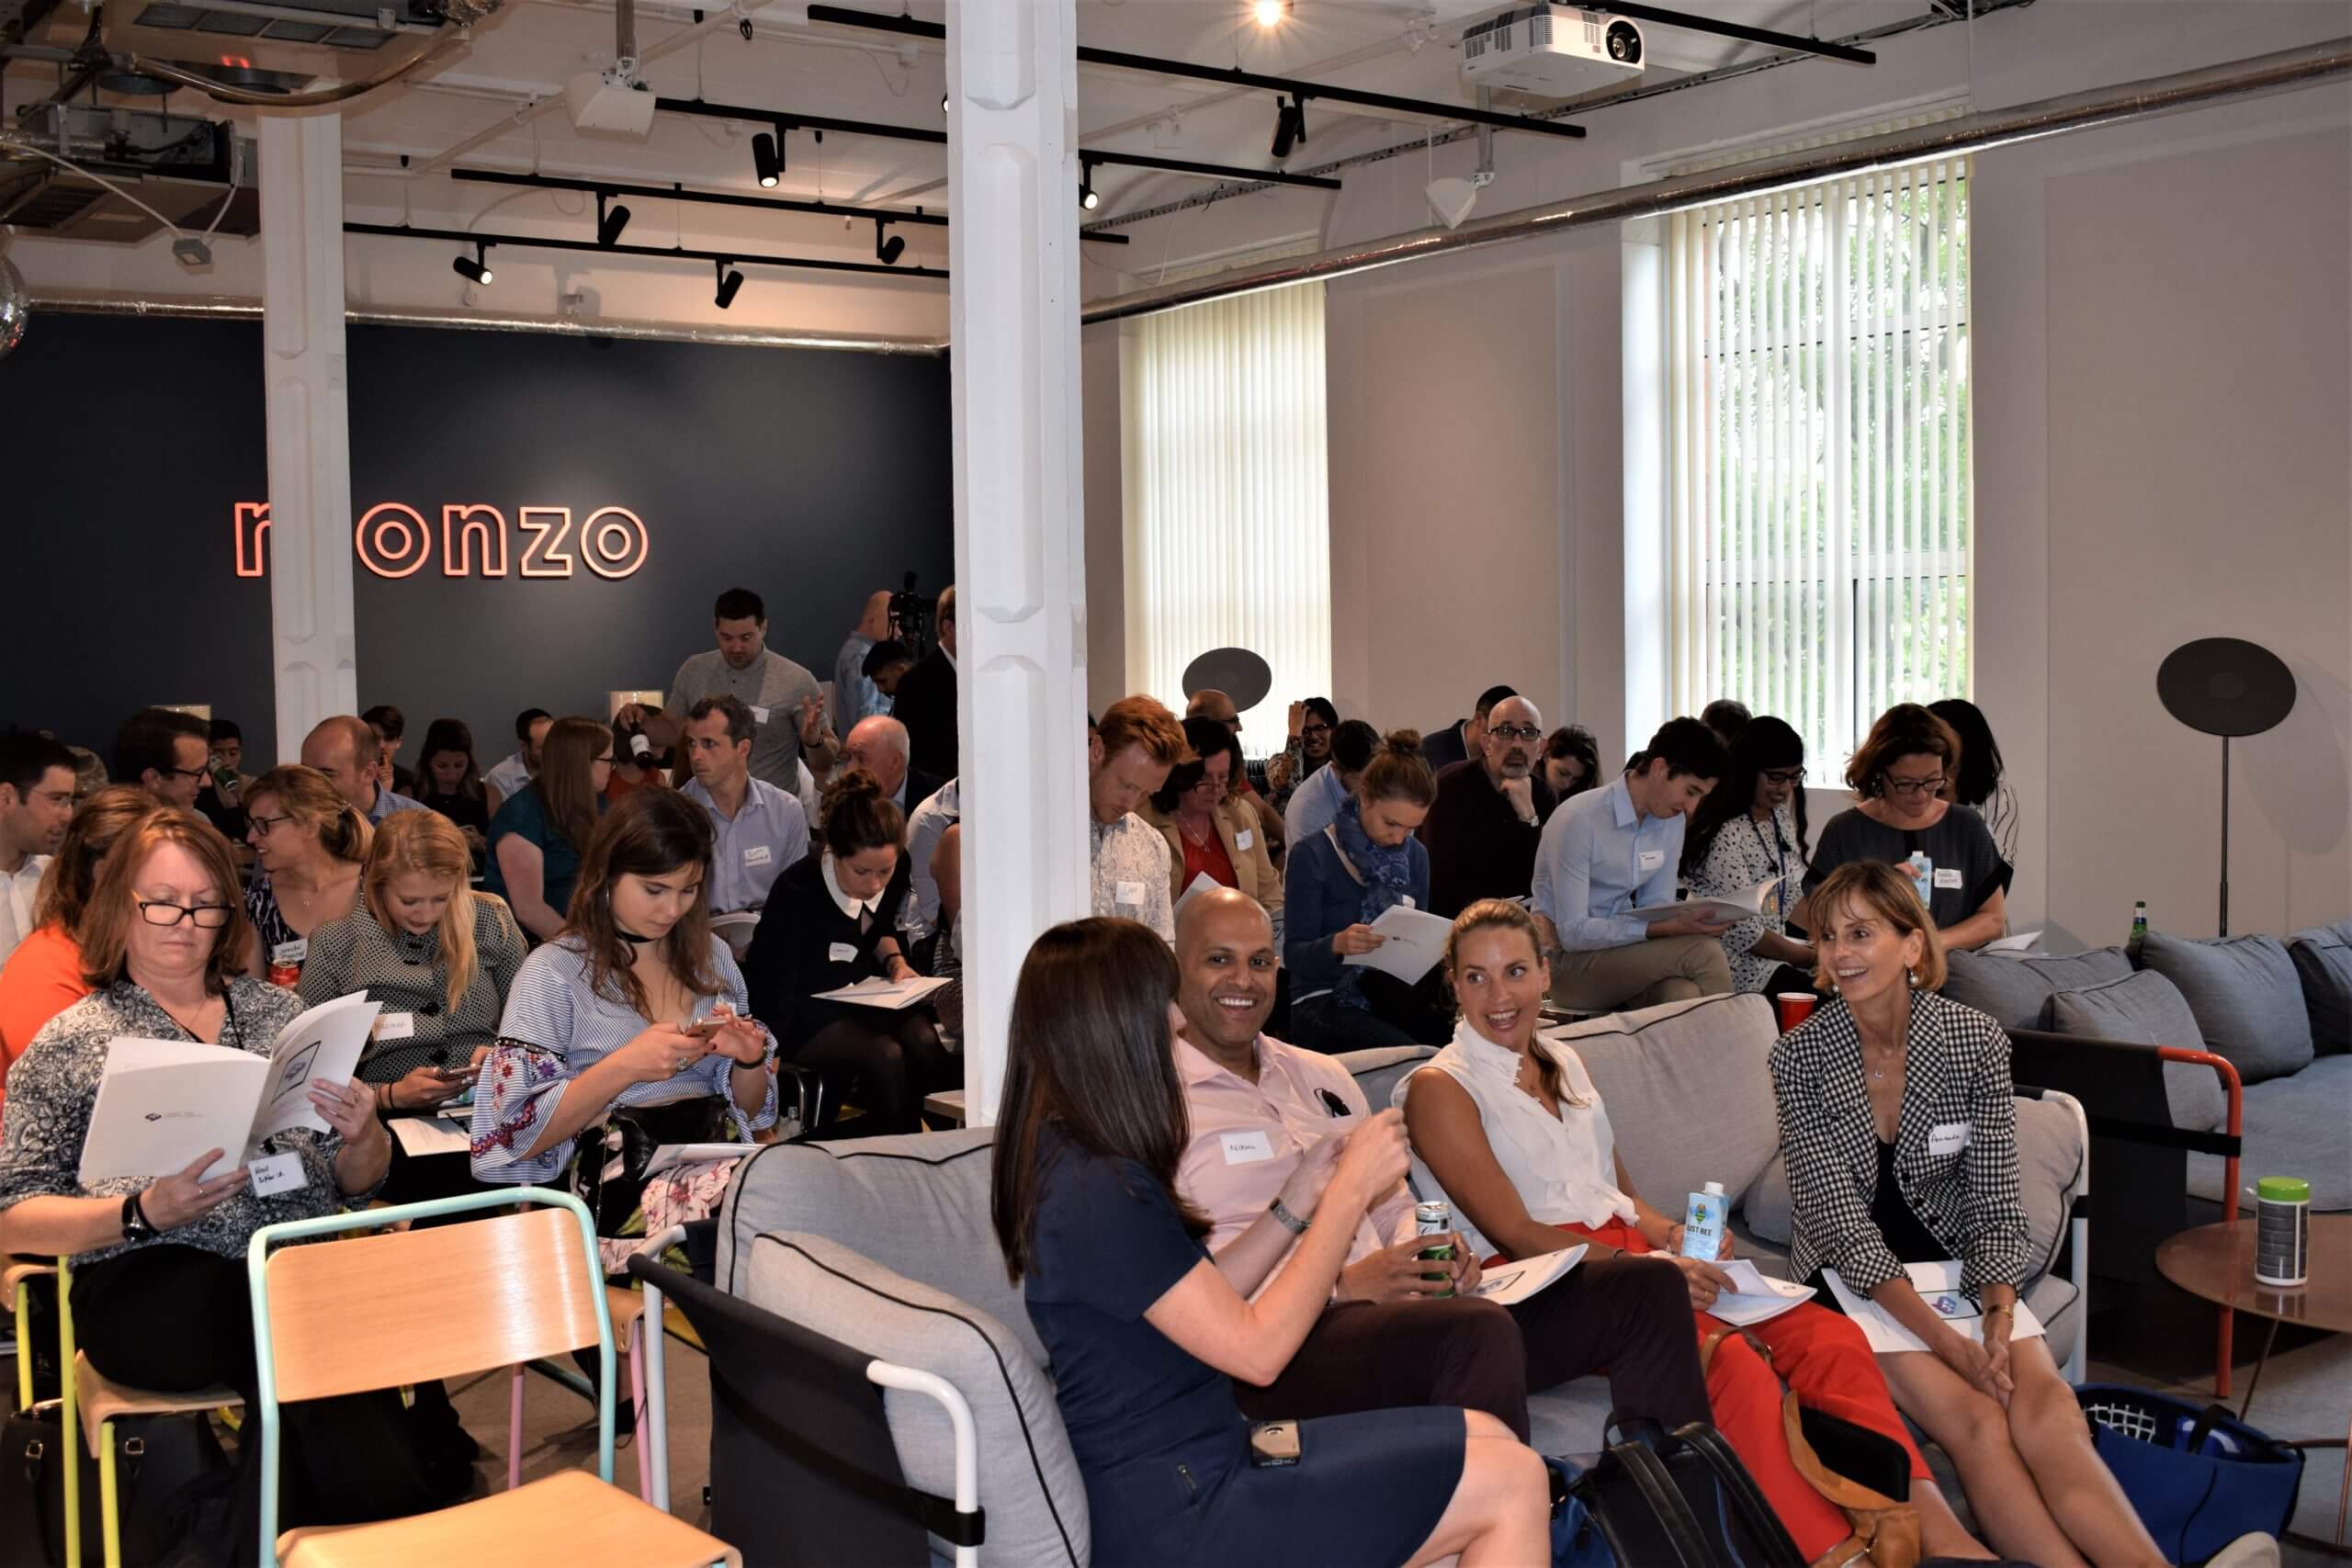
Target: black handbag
156	1459
608	1175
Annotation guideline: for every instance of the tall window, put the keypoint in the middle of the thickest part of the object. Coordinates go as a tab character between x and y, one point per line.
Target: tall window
1820	526
1227	503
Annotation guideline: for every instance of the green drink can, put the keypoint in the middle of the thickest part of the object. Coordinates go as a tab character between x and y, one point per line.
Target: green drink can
1435	1219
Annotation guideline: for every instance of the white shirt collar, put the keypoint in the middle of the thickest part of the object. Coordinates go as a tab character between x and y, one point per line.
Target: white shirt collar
951	658
848	906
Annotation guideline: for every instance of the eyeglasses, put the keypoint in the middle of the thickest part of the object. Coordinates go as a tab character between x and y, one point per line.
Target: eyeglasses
1913	787
1515	731
1307	730
163	912
185	773
1783	775
265	826
605	761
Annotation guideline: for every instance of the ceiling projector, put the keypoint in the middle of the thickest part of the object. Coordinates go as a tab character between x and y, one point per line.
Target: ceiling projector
1555	52
610	102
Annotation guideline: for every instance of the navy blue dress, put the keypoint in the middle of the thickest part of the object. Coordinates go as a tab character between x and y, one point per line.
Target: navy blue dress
1164	1449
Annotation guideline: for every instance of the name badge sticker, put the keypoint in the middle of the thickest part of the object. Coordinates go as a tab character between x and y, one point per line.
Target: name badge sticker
1128	893
273	1174
1948	1138
1648	860
841	952
759	713
755	854
1248	1148
395	1025
1948	876
1244	838
290	951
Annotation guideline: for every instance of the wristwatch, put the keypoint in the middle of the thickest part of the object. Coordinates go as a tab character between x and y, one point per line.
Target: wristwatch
1284	1218
134	1223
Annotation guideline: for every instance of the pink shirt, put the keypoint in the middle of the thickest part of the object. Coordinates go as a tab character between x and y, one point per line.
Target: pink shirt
1248	1138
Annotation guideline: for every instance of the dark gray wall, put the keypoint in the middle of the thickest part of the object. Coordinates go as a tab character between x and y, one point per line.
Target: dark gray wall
812	478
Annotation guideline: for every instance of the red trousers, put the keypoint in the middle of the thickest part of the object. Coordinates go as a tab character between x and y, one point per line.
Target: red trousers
1825	1359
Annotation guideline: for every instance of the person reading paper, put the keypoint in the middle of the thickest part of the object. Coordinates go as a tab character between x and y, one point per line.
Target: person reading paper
159	1296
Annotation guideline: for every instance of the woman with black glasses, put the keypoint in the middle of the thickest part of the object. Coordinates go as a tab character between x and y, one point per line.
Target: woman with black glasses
1901	818
1751	826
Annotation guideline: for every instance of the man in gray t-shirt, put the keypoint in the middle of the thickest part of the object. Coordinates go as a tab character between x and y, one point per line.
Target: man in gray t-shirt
784	698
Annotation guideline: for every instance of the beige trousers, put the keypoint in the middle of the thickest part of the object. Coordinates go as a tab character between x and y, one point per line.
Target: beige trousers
1641	974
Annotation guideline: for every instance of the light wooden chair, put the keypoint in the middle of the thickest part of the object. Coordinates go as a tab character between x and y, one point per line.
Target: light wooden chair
100	1403
342	1317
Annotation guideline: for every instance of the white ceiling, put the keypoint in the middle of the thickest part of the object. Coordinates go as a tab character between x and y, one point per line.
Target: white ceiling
501	92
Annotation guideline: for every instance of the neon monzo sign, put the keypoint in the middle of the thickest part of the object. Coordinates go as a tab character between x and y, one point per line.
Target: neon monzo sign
392	539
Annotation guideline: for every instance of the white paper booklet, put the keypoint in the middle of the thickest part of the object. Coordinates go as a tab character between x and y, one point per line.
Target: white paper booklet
163	1102
669	1157
1415	945
1512	1283
1739	906
423	1136
1200	883
891	995
1759	1297
2024	942
1939	1286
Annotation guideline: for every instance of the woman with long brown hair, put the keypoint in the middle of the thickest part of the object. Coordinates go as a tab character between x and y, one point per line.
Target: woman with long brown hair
1513	1131
43	976
538	837
1146	1336
308	842
635	1013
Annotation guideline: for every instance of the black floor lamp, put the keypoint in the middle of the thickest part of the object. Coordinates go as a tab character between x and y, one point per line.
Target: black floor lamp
2225	686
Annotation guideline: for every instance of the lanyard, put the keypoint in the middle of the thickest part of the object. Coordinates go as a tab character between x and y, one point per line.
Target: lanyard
1779	850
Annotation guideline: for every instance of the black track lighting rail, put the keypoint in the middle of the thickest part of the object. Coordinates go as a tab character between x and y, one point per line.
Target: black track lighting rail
730	198
849	17
783	121
1795	41
1213	171
675	252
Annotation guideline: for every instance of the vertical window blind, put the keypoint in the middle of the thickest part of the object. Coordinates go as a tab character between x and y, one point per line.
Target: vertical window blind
1820	522
1227	500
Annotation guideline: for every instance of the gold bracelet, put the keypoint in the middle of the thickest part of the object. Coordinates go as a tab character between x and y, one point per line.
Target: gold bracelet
2010	1307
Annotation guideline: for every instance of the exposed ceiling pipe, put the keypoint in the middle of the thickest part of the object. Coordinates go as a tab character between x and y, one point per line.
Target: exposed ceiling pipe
215	307
2282	71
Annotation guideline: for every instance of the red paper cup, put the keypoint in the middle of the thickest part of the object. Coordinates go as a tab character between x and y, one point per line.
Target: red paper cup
1793	1008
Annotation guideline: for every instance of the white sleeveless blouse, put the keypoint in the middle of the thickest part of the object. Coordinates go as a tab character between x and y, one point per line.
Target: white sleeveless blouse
1564	1168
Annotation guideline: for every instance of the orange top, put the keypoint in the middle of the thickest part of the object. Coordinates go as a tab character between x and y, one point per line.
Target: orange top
42	979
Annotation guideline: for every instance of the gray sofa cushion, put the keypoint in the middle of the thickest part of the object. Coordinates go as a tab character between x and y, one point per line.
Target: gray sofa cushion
917	1205
2145	1008
2248	1003
1377	1071
1030	1482
1687	1092
2294	1126
2016	990
2323	958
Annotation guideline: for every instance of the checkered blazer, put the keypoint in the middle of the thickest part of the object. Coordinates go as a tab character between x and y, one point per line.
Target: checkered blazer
1958	1073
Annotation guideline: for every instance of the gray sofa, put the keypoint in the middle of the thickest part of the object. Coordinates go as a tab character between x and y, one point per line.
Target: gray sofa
884	1244
2276	1010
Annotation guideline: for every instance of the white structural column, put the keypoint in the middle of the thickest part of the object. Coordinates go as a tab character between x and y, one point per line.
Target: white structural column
1020	567
309	551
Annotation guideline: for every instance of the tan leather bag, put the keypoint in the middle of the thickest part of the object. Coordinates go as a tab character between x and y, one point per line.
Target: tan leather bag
1885	1533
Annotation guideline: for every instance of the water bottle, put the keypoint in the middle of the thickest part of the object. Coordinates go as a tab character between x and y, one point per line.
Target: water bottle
2139	923
1703	1222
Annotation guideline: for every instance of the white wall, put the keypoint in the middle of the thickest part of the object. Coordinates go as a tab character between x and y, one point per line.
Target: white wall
2162	425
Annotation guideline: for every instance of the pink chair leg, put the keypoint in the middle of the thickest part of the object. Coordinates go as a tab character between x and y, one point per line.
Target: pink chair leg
514	1435
637	1402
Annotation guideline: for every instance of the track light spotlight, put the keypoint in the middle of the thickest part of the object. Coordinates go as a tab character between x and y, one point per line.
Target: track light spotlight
888	250
730	283
610	220
1088	197
767	158
474	268
1290	125
1270	13
943	103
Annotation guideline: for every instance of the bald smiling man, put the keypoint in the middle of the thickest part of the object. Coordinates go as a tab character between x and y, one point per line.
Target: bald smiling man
1267	1121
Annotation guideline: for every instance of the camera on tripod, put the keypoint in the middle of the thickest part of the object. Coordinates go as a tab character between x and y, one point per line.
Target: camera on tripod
911	615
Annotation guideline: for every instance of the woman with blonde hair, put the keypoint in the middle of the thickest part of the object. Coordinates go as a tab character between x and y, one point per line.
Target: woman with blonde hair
1899	1124
438	956
308	842
1513	1130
